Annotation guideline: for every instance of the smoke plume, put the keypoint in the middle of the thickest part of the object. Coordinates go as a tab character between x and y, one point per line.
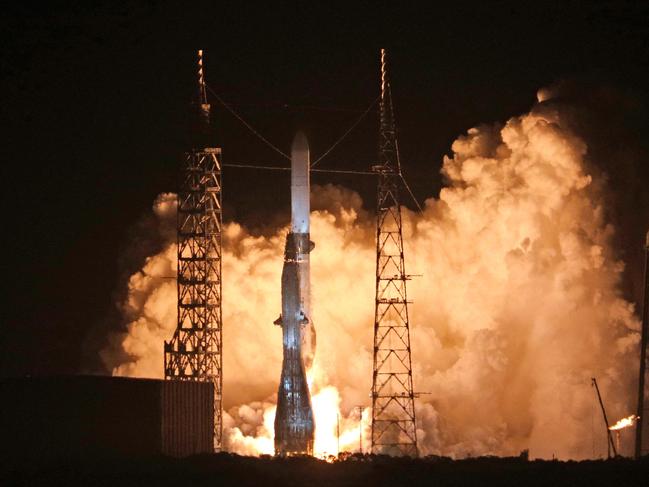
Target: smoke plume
518	306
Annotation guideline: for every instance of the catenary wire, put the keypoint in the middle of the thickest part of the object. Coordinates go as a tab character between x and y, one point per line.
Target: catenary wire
275	148
280	168
405	183
330	171
279	151
353	126
288	106
250	127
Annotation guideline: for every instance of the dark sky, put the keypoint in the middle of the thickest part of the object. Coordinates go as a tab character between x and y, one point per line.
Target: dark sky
94	105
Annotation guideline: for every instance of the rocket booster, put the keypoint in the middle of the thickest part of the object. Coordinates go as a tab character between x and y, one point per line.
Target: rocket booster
300	226
294	426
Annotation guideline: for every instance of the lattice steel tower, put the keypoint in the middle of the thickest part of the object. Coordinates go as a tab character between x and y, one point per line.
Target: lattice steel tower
195	351
393	400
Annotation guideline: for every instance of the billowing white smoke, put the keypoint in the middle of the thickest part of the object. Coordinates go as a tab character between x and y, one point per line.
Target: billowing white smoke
517	309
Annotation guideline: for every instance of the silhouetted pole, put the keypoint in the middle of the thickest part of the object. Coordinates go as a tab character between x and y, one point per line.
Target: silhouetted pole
643	355
611	444
338	431
360	428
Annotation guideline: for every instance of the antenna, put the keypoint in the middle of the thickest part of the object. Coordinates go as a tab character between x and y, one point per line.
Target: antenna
202	93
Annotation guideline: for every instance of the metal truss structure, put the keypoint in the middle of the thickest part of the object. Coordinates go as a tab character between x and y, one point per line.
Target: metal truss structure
195	351
394	429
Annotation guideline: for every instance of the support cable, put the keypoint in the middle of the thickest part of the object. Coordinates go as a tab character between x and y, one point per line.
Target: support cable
396	147
344	171
287	106
248	126
405	183
256	166
326	153
353	126
280	168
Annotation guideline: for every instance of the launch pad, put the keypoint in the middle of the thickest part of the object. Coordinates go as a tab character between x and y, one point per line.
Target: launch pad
195	351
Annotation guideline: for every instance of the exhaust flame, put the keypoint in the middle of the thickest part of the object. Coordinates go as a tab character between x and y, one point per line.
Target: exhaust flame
328	418
624	423
518	307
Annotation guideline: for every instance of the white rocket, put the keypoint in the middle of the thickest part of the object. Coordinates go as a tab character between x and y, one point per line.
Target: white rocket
294	426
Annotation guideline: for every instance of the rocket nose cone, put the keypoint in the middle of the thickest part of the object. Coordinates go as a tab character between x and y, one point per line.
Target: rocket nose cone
300	143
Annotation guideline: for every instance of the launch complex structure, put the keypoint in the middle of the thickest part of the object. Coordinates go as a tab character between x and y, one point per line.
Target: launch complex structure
195	351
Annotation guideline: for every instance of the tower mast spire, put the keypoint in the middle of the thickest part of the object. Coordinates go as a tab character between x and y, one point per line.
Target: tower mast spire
393	400
202	93
195	351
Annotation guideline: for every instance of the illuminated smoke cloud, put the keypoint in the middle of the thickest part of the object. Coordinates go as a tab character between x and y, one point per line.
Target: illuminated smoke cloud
518	307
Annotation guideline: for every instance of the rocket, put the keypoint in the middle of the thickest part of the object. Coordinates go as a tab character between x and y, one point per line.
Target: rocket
294	427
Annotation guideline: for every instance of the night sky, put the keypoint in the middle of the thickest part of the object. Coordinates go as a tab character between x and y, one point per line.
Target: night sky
94	115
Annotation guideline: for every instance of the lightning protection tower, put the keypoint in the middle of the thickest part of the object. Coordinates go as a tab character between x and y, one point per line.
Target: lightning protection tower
393	400
195	351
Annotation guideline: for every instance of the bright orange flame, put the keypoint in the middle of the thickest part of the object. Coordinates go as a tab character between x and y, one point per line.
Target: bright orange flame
624	423
334	432
329	420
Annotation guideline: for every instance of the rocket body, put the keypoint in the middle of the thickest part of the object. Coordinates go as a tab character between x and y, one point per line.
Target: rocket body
294	425
300	185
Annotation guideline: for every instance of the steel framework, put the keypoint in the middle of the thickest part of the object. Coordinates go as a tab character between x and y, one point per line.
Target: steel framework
195	351
393	399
